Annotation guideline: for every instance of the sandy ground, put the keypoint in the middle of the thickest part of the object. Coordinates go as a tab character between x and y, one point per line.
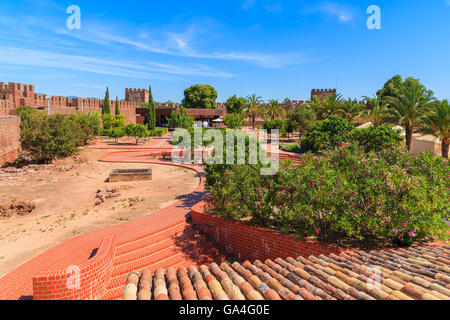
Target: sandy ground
65	203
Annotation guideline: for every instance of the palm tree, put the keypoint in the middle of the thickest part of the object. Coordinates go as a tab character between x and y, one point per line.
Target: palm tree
327	107
274	110
350	110
437	123
376	111
254	108
409	109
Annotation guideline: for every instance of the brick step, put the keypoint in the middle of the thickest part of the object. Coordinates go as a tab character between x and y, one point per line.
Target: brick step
149	260
153	248
151	238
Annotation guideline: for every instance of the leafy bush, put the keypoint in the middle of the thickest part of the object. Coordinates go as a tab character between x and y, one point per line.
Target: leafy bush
48	137
110	121
158	132
89	123
348	194
275	124
326	135
116	133
377	138
291	147
180	119
137	131
235	105
234	120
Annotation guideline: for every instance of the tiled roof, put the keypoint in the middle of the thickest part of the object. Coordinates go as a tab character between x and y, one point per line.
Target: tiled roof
421	273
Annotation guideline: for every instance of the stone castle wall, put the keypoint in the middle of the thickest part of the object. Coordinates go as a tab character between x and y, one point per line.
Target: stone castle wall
13	95
9	139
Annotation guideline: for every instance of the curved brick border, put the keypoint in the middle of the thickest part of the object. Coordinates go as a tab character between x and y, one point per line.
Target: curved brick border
47	273
253	243
87	281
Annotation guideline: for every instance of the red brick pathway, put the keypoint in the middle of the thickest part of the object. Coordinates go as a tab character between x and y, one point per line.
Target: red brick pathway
18	284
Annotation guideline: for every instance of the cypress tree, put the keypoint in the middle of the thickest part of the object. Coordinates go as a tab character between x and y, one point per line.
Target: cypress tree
117	106
106	108
151	110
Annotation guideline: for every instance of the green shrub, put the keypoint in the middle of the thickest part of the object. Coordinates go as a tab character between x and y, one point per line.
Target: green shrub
291	147
158	132
137	131
234	120
90	124
347	194
180	119
377	138
116	133
326	135
275	124
48	137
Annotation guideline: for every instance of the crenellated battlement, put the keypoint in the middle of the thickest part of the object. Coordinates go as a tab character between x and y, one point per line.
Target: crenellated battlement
322	93
137	95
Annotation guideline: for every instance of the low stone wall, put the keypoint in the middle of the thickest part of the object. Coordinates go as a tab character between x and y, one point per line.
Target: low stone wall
9	139
252	243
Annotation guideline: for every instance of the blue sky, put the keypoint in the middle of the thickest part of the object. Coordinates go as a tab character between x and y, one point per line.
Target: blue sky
275	49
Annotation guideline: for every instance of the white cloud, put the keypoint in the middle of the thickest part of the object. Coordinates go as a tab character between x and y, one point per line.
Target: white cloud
276	8
145	70
248	4
342	12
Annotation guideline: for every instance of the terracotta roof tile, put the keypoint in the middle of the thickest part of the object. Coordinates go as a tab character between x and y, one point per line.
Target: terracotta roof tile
420	273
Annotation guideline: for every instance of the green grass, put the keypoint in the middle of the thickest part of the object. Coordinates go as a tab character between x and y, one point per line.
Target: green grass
290	147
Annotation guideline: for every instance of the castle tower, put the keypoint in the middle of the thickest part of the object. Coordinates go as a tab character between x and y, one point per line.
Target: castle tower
137	95
322	93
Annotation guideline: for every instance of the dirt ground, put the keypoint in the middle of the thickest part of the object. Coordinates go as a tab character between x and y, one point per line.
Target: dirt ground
64	194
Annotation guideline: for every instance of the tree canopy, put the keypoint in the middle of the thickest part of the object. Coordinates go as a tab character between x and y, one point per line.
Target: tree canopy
200	96
235	104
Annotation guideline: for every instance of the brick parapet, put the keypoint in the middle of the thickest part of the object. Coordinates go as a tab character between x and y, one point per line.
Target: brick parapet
253	243
87	281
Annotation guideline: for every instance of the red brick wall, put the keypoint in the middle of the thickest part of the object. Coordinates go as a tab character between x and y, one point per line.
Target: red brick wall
84	282
9	139
251	243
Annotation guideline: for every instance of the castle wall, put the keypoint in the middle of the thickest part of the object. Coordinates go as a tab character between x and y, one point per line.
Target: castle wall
9	139
322	93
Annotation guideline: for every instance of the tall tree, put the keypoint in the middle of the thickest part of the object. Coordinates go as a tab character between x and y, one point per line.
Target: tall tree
151	110
393	87
235	104
117	107
437	123
376	111
254	108
274	110
350	110
180	119
409	109
299	118
200	96
106	105
329	106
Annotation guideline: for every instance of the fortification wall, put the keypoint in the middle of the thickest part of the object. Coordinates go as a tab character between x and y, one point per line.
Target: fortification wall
137	95
9	139
322	93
